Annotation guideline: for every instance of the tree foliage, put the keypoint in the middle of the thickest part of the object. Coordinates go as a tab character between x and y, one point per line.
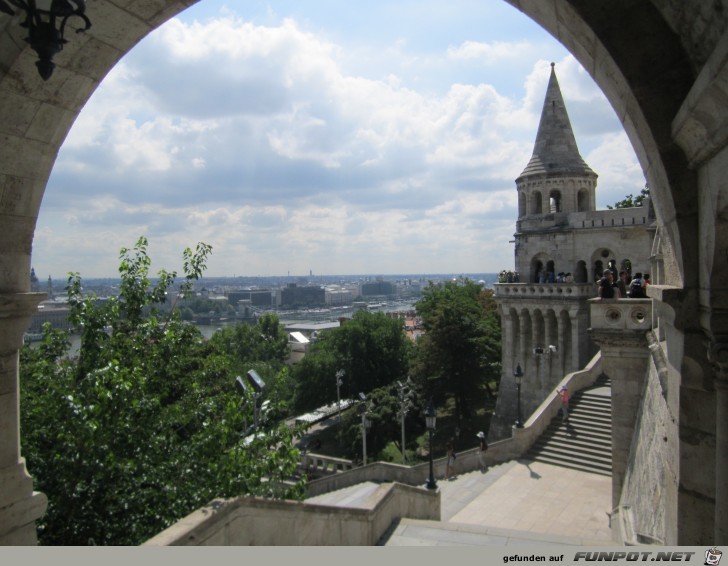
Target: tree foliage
371	348
460	350
145	425
631	201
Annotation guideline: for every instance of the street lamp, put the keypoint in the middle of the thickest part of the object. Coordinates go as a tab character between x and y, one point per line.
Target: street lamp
518	375
339	383
405	404
430	418
258	385
45	21
362	410
243	390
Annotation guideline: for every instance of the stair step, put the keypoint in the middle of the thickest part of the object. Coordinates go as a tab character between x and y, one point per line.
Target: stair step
603	471
586	443
568	453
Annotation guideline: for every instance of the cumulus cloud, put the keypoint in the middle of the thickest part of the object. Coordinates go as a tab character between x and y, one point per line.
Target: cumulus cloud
489	53
258	140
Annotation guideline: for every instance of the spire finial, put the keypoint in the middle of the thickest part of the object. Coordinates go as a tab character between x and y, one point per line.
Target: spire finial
553	64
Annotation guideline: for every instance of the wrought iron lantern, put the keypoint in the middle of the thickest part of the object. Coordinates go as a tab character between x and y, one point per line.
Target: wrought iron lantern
46	22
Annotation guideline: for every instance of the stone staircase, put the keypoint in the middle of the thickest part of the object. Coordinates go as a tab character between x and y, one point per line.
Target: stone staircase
584	442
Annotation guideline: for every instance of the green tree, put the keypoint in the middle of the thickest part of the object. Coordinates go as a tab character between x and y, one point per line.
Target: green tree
145	426
460	350
631	201
371	348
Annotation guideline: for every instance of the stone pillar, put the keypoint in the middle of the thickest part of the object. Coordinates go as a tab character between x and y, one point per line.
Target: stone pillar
509	339
20	506
719	357
619	328
522	354
561	354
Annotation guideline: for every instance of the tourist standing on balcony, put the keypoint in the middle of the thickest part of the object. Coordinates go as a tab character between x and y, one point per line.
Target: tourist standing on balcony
607	289
622	283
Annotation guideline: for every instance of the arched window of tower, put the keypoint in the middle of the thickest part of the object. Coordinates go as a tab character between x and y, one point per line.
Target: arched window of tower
555	202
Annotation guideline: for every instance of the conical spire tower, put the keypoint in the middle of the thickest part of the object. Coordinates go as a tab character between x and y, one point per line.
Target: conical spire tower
555	150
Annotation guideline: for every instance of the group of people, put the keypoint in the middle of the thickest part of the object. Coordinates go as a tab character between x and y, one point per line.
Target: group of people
509	277
452	456
624	287
550	277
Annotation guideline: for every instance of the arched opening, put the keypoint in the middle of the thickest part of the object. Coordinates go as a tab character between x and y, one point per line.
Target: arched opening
538	275
555	201
580	272
579	25
550	272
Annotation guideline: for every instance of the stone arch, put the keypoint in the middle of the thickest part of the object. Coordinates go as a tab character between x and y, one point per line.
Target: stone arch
580	272
555	201
566	344
615	44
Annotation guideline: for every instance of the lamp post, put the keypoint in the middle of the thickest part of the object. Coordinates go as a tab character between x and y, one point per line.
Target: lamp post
405	404
362	410
518	375
45	21
258	385
339	383
430	419
243	390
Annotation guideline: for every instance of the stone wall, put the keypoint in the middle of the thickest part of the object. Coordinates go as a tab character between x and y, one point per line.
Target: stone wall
649	478
250	521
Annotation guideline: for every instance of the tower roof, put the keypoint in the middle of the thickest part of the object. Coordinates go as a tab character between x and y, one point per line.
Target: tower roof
555	150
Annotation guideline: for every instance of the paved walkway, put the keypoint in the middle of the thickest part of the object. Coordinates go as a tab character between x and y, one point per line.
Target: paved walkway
516	503
512	504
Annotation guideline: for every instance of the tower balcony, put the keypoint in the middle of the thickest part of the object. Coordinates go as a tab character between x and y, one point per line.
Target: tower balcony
545	290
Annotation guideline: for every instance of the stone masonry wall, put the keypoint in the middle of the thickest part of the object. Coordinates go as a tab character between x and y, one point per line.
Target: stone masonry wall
649	479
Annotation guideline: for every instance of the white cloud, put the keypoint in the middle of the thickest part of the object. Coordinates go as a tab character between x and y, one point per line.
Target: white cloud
256	140
489	53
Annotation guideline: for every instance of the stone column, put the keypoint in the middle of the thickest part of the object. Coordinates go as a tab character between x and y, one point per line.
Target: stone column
20	506
619	328
561	353
509	339
719	357
522	354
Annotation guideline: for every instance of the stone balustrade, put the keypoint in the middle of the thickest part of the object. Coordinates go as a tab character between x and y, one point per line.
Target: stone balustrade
545	290
319	464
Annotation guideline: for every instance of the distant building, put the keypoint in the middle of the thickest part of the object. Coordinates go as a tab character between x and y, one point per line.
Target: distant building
56	314
293	295
378	288
34	283
257	297
337	296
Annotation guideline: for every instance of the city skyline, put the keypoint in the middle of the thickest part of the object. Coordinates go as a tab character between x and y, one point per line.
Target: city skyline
293	138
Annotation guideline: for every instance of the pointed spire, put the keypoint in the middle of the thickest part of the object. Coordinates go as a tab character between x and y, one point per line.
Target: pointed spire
555	150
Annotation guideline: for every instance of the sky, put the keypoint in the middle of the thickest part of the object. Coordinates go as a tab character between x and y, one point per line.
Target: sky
302	137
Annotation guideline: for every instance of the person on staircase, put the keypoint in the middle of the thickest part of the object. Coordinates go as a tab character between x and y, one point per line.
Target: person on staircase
564	394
